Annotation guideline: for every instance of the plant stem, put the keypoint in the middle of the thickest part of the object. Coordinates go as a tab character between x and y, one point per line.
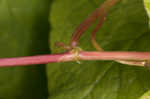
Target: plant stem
69	56
100	13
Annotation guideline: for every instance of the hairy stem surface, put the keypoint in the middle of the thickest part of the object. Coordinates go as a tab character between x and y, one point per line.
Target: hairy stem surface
70	56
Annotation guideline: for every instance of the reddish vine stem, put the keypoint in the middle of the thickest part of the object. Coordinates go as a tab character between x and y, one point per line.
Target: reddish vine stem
93	34
73	54
83	55
98	13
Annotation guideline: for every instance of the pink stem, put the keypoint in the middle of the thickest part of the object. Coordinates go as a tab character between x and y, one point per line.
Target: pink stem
29	60
44	59
114	55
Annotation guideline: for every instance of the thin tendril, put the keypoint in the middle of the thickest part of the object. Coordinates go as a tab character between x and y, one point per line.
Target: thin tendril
88	21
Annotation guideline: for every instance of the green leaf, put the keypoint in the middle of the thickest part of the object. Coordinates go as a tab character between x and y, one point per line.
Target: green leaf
126	29
146	95
23	31
147	6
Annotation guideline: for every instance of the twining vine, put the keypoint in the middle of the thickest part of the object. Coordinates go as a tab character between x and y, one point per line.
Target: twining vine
75	53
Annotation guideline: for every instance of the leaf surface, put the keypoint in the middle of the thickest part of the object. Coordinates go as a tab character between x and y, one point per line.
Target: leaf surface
146	95
125	29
